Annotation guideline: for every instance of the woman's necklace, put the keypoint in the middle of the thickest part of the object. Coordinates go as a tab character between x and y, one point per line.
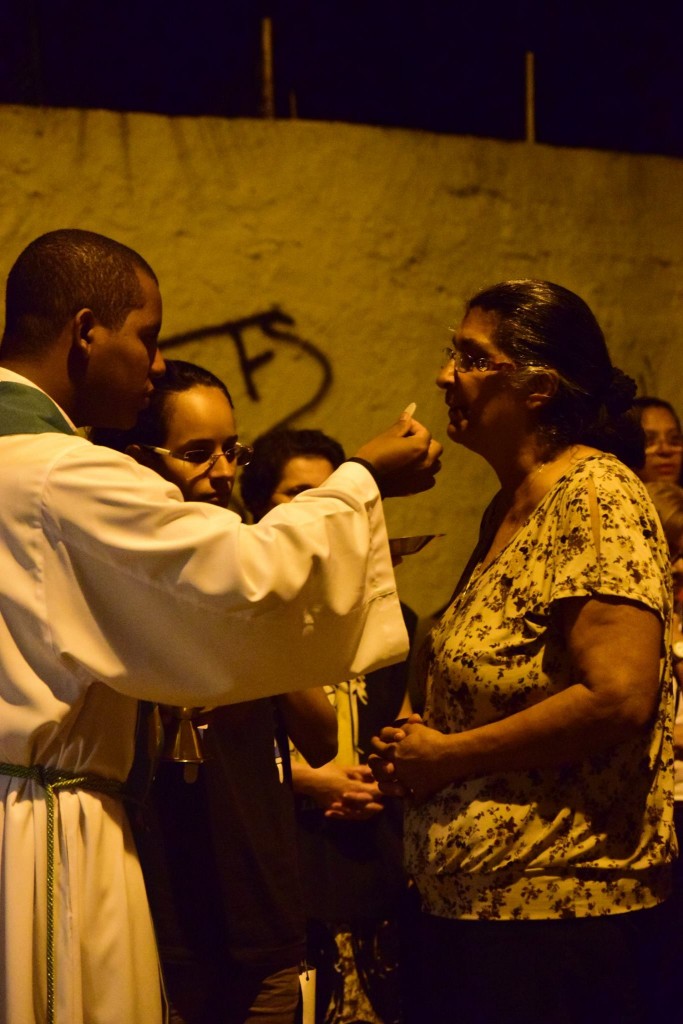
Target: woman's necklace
526	500
517	509
561	463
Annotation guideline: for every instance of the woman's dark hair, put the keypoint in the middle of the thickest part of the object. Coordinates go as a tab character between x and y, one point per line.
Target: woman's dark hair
152	422
543	325
644	402
272	452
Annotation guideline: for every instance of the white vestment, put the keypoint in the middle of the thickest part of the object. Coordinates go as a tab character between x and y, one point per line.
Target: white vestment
112	588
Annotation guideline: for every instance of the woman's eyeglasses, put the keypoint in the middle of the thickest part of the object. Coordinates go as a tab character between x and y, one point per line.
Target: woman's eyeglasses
240	453
464	361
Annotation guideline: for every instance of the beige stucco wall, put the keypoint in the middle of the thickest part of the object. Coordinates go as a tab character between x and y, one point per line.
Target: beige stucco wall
369	240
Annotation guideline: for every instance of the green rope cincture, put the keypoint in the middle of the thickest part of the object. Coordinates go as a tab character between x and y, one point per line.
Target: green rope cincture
52	779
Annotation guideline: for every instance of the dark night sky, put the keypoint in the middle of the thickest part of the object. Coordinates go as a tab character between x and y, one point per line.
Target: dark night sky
606	76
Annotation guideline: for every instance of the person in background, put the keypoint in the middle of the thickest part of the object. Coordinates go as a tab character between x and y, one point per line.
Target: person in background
667	498
663	440
538	788
349	834
91	542
217	840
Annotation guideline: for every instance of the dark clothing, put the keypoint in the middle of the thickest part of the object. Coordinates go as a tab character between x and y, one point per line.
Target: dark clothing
559	971
203	994
219	858
352	870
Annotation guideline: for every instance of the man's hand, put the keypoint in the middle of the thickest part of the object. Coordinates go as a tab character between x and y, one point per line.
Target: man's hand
405	457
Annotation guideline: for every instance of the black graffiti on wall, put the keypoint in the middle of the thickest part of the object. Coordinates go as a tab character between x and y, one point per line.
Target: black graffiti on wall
274	325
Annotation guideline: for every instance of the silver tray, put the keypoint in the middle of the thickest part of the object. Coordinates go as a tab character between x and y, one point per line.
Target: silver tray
401	546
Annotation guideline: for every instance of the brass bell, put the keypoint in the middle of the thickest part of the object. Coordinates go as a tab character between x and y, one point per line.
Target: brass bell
182	741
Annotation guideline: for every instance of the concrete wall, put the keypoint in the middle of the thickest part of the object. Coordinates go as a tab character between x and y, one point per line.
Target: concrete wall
341	254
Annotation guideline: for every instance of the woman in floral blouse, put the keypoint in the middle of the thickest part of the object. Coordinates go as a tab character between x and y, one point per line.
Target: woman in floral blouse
539	788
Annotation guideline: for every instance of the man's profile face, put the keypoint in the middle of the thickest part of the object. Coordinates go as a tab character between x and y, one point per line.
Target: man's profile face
123	363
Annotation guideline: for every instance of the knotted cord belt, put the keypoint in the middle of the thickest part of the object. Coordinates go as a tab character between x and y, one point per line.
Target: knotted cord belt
52	779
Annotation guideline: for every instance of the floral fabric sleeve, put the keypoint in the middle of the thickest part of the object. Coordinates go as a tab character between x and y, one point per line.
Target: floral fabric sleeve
609	541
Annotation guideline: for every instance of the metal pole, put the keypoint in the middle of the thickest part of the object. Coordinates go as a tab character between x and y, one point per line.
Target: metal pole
267	84
530	111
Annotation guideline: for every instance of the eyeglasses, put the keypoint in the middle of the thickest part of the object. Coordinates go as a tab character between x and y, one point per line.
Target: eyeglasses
464	362
654	441
241	453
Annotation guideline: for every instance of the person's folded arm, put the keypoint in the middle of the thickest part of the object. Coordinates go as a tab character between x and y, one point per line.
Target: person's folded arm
614	647
311	724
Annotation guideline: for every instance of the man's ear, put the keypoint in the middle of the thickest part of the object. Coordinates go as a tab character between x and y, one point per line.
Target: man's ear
542	387
82	326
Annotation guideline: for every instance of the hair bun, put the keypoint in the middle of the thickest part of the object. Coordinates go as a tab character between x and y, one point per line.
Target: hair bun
619	393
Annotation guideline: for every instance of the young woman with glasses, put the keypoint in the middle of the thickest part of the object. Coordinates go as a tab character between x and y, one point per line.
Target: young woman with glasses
216	833
538	787
663	441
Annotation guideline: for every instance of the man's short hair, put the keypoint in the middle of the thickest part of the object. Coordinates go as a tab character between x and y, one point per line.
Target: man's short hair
272	452
64	271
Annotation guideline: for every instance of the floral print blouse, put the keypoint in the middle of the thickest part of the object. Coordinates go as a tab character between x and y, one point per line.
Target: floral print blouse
587	838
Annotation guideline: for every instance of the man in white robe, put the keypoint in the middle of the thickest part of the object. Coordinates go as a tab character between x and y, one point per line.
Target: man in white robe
115	589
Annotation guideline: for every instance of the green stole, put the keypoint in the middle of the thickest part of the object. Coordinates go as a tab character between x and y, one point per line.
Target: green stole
25	410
